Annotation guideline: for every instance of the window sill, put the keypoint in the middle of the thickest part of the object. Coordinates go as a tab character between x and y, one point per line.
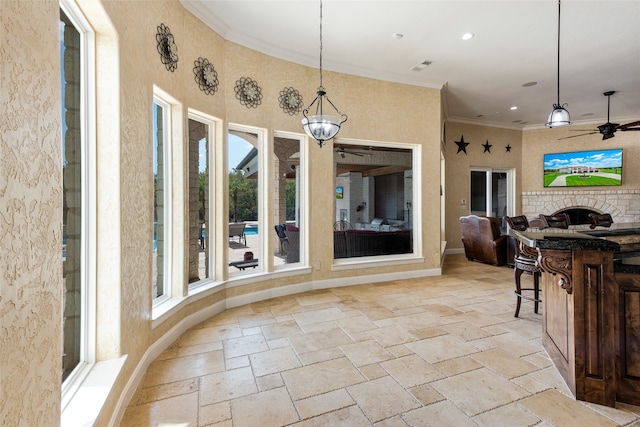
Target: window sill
86	404
377	261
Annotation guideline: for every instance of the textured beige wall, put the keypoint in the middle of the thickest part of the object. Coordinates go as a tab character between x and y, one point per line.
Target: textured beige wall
30	177
458	164
30	214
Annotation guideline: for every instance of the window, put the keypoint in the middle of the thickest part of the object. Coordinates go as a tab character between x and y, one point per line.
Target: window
288	199
161	200
201	212
492	193
78	193
373	200
245	233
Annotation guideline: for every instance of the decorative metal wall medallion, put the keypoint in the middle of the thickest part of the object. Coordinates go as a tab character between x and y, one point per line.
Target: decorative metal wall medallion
290	101
167	48
248	92
206	76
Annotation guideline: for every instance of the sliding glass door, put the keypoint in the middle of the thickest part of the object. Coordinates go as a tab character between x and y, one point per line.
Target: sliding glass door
492	193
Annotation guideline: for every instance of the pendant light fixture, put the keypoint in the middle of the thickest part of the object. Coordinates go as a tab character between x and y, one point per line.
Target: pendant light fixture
320	126
559	116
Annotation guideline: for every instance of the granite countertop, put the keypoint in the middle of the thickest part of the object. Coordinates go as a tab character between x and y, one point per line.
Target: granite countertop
560	239
623	239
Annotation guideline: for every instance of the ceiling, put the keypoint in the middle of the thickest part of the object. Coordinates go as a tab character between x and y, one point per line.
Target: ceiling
515	43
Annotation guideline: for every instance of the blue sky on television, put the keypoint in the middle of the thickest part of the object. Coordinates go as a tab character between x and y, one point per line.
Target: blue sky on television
595	158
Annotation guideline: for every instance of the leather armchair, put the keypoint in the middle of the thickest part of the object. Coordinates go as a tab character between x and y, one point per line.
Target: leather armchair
482	239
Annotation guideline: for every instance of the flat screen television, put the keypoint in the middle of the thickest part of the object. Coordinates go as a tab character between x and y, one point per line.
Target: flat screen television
583	168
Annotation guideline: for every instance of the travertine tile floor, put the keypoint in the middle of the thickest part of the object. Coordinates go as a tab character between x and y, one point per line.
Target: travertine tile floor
438	351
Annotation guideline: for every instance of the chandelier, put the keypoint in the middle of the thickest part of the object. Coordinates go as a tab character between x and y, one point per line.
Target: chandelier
320	126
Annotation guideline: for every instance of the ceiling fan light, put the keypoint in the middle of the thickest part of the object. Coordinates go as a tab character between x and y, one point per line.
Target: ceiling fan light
321	127
558	117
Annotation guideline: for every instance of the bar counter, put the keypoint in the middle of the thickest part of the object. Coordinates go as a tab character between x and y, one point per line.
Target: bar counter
591	308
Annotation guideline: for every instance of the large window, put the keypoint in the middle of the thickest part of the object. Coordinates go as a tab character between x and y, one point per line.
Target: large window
289	199
373	200
201	212
161	200
245	232
78	195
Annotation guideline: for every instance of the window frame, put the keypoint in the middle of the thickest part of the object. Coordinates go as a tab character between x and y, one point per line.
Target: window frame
89	205
164	100
415	256
263	193
303	191
214	210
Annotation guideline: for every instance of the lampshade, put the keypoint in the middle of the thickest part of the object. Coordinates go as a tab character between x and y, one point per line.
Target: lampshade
558	117
321	127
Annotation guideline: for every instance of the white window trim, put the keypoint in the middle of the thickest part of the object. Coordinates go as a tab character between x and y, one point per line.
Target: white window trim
263	193
303	193
163	99
416	255
214	210
88	193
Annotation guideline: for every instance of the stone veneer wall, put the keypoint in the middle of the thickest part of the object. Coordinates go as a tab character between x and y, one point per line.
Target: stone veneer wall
623	205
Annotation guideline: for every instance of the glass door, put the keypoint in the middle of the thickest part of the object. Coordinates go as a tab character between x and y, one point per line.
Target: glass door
492	193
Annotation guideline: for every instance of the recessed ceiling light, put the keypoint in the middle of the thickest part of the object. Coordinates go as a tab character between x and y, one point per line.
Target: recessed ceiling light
397	36
529	84
514	108
467	36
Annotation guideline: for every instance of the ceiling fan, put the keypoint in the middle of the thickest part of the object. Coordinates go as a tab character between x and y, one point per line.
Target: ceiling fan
344	151
609	129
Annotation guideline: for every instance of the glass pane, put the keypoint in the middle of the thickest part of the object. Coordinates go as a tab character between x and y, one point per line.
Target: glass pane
244	233
158	201
199	221
71	193
287	201
499	197
478	193
374	197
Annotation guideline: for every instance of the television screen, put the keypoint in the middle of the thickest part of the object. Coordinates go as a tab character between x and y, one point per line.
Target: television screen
583	168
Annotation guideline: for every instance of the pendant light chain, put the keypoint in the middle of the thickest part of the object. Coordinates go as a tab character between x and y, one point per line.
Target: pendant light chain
559	52
321	43
322	127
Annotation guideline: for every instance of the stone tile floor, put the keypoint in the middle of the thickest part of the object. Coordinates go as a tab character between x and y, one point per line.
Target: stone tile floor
435	351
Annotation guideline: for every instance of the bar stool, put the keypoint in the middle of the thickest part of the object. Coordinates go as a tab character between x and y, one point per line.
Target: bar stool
601	220
560	220
525	261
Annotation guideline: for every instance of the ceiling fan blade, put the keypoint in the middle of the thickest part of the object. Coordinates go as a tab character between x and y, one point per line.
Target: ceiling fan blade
628	125
575	136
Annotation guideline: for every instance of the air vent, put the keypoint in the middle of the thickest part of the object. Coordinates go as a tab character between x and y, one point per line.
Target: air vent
421	66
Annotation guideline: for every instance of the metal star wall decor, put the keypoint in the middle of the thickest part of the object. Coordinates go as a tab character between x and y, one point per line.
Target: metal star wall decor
206	76
508	148
167	48
290	101
248	92
462	146
487	147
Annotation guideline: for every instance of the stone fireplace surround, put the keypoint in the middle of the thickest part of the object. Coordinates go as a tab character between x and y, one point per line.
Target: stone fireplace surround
623	205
